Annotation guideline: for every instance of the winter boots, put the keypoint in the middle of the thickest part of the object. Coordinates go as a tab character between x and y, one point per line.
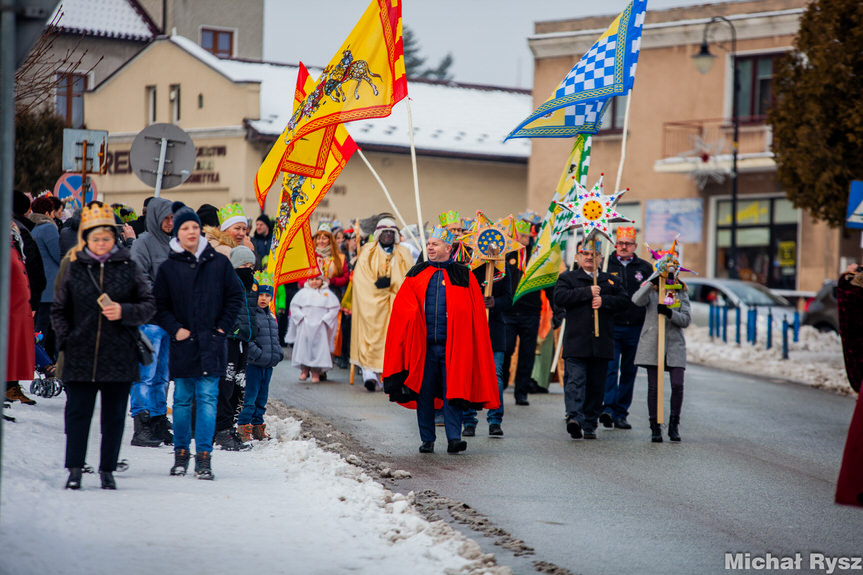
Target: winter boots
107	479
74	481
160	428
244	432
673	425
181	462
259	432
229	440
143	435
655	431
202	466
14	393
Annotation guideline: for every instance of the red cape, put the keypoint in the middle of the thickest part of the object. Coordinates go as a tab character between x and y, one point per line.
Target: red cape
471	377
849	487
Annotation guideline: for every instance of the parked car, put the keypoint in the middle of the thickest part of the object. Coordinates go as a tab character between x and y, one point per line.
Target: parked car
823	313
704	292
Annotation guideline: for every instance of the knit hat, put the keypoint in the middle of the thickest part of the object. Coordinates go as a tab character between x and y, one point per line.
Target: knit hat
385	224
242	255
183	214
267	222
230	215
209	215
20	203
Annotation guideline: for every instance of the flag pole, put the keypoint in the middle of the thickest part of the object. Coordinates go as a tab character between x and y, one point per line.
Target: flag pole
660	355
416	179
387	194
619	168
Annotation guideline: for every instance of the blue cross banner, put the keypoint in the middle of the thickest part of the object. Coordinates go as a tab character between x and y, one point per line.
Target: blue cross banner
605	71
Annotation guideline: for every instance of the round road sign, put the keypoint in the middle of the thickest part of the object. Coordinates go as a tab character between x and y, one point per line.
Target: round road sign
69	186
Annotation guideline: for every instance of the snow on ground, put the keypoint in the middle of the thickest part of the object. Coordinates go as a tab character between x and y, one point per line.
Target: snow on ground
286	507
816	359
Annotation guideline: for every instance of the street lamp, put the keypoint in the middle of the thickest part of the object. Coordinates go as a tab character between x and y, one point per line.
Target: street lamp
703	62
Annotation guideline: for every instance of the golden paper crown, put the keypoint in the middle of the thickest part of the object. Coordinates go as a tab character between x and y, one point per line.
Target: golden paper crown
97	215
626	233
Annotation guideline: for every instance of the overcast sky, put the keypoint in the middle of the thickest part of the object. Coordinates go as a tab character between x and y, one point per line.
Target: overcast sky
487	38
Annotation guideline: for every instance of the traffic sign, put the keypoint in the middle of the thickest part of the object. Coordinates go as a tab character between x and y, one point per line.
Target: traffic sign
163	156
74	150
854	217
69	186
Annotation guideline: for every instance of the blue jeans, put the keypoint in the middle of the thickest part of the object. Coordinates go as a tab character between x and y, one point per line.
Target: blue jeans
434	384
151	392
583	382
205	390
618	393
494	416
257	391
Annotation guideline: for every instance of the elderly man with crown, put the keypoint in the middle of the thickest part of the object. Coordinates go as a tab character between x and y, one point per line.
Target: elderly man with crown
630	271
438	345
379	272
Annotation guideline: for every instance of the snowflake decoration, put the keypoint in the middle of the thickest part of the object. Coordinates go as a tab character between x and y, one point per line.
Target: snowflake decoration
592	211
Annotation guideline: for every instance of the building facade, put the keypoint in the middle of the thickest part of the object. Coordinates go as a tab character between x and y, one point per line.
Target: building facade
678	146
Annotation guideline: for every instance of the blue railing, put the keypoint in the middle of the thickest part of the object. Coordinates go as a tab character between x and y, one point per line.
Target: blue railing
718	326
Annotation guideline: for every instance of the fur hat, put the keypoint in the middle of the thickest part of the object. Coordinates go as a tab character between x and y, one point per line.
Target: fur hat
183	214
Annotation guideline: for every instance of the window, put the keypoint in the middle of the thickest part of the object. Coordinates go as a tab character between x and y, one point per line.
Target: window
70	98
218	42
151	105
174	96
755	77
612	119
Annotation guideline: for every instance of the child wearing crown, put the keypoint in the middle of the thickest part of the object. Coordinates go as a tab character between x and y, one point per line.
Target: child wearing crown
314	313
265	353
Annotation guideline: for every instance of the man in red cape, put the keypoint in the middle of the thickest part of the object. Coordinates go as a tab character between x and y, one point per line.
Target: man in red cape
849	294
438	349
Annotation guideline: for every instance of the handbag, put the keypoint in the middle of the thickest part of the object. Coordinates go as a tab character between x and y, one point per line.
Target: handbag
144	348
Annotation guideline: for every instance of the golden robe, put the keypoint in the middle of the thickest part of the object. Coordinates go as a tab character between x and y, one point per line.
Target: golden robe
372	306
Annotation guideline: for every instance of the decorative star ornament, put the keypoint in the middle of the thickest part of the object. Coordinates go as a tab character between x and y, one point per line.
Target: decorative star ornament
592	211
490	242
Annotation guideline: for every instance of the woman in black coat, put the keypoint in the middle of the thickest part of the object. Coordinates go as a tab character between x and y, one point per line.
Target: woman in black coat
100	300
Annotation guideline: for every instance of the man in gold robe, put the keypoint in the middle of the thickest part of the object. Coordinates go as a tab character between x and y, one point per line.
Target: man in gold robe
379	272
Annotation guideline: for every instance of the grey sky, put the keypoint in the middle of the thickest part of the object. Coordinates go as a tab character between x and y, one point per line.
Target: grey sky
487	38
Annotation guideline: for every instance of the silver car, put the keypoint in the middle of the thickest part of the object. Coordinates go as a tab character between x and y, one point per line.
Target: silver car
704	292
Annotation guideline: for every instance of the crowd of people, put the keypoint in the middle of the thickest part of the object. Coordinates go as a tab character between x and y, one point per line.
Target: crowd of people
183	296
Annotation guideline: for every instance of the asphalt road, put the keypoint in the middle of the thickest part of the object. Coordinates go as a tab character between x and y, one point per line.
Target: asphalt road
755	473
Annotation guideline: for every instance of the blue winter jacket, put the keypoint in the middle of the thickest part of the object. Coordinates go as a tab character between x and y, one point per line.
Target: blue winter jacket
264	349
203	295
47	237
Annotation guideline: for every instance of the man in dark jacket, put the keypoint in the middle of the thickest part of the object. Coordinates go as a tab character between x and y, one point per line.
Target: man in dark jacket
32	258
585	353
262	239
630	271
197	299
140	224
497	304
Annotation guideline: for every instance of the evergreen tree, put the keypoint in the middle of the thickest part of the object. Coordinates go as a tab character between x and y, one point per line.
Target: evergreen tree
414	62
38	150
817	118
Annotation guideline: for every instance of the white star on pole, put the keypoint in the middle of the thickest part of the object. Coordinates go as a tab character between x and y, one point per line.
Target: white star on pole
593	211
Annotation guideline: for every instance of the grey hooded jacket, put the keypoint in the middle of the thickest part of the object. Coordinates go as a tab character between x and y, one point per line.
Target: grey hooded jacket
675	342
151	248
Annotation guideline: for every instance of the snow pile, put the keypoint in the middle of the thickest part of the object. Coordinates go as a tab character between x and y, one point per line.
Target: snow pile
285	507
816	359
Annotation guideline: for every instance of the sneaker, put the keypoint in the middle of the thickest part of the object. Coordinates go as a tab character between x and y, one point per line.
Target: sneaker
494	430
203	469
14	393
606	420
181	462
589	434
573	428
469	431
427	447
456	446
621	423
228	440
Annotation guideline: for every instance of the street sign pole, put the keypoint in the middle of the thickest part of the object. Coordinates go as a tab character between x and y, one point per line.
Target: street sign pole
163	148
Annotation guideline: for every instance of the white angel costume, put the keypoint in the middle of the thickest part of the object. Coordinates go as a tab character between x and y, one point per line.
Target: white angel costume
312	327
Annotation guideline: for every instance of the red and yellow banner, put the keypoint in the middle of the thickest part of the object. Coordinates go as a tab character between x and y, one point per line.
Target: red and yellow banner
365	79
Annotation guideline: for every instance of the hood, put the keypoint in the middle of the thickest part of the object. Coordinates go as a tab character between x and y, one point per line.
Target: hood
157	210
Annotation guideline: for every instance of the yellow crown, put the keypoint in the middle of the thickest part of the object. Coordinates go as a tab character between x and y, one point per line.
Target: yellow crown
97	215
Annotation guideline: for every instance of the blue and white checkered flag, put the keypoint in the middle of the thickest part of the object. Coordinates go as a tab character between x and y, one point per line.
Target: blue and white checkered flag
607	70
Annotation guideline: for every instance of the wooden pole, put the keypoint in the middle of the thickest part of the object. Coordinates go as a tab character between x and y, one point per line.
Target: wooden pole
389	198
559	348
416	180
489	277
660	356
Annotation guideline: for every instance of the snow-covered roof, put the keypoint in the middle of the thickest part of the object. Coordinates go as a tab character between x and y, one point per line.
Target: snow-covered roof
448	118
121	19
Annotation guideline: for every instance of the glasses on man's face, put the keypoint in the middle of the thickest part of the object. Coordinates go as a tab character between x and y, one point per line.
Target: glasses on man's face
583	253
625	244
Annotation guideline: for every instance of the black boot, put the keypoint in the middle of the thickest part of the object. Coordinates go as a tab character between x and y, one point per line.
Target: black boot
74	481
181	462
160	428
228	440
456	446
107	480
143	435
203	469
673	424
655	431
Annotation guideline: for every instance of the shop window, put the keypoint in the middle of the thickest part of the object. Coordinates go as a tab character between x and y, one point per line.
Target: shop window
218	42
766	241
70	98
612	119
755	76
151	105
174	97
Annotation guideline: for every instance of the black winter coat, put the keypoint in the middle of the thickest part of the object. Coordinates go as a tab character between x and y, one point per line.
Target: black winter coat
202	295
573	293
629	277
501	291
265	350
32	262
244	326
94	348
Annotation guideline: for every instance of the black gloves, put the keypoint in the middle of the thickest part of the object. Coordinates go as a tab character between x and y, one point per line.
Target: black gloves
382	283
655	280
489	302
664	310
